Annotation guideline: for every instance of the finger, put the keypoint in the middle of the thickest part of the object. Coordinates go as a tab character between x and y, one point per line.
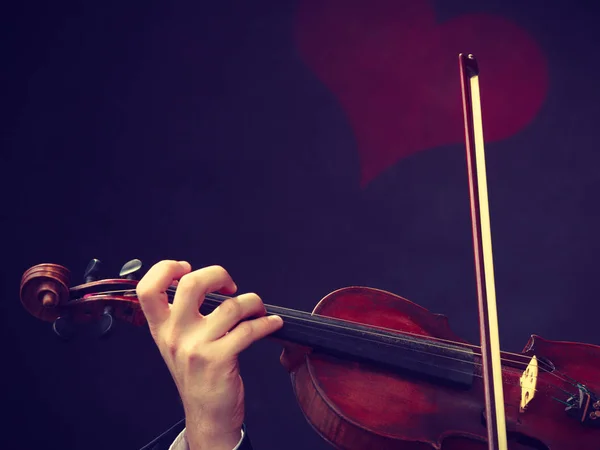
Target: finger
193	287
247	332
151	290
229	313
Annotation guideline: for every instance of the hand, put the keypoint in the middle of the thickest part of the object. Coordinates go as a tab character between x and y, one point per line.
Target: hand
201	352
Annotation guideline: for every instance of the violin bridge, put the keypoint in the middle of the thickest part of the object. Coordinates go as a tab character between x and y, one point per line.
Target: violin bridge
528	383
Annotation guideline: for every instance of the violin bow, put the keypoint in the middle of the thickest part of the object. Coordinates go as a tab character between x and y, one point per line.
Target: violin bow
482	245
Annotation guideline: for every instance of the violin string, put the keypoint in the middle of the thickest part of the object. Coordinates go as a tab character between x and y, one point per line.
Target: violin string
431	364
310	319
216	298
574	383
416	360
219	298
541	364
450	358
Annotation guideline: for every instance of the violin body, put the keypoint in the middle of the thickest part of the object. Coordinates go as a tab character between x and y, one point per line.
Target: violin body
354	405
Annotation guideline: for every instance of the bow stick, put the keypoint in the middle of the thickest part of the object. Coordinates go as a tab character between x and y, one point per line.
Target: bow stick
482	244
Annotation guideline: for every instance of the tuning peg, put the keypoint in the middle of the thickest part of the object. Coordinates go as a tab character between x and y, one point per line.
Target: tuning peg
106	321
130	268
63	328
92	270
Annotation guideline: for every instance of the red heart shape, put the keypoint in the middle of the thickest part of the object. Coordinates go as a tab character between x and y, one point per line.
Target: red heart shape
395	72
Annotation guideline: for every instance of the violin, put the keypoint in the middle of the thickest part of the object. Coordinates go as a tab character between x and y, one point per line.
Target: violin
373	370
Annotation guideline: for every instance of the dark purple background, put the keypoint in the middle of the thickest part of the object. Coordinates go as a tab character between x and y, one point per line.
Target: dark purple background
197	132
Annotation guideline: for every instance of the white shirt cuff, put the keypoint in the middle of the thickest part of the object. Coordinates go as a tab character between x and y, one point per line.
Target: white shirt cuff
181	443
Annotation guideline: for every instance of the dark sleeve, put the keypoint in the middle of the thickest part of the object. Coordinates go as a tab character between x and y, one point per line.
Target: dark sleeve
164	441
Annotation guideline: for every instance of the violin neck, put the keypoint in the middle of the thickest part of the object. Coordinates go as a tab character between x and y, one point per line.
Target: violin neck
425	358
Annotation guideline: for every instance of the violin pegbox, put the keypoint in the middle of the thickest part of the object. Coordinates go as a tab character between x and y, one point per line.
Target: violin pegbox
46	294
129	271
64	326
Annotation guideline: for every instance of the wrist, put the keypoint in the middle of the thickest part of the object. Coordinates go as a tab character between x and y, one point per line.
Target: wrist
200	440
204	433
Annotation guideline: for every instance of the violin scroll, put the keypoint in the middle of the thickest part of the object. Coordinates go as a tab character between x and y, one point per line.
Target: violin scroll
44	290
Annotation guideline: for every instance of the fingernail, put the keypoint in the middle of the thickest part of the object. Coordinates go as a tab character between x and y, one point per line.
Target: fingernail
276	319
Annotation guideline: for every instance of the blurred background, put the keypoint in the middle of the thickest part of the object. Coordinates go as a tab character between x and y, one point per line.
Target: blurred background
303	145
